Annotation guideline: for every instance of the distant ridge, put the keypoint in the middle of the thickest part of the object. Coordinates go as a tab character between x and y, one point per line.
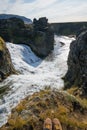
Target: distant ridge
7	16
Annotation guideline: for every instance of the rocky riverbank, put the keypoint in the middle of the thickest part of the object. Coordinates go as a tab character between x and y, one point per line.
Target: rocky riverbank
38	35
6	66
77	64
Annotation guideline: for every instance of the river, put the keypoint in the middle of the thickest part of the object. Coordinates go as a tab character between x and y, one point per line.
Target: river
35	73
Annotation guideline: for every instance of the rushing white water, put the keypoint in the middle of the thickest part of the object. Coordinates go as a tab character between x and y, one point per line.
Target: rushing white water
35	74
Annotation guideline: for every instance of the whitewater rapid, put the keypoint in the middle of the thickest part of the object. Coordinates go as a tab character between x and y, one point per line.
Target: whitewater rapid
35	73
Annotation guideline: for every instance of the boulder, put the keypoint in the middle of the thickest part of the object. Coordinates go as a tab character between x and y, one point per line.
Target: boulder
77	63
6	67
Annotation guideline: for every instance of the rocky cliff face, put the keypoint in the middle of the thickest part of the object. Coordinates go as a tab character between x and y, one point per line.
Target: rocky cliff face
72	28
6	67
77	63
37	35
43	37
14	30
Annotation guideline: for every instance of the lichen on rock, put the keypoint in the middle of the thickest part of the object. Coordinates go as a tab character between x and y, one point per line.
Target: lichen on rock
6	66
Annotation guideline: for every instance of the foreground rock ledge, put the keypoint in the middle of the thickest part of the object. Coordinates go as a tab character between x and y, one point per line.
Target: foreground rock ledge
31	112
6	66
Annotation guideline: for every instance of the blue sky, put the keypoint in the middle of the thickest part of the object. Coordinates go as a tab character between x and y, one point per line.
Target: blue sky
54	10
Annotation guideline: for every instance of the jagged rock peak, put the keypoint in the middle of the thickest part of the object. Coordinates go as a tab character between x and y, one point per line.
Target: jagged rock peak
43	37
41	24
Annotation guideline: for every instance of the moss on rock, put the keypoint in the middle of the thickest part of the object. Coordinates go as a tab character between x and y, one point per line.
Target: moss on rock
33	110
6	66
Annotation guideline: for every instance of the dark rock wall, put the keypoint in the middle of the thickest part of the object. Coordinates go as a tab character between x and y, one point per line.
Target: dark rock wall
38	35
43	37
14	30
77	63
73	28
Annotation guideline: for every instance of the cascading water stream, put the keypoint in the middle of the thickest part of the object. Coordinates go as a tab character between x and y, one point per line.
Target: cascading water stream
35	74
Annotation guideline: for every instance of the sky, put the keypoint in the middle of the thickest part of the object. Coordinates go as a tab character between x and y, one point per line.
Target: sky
54	10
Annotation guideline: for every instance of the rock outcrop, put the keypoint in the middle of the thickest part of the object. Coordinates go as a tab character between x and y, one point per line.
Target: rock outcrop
39	36
14	30
43	37
6	67
72	28
77	63
33	110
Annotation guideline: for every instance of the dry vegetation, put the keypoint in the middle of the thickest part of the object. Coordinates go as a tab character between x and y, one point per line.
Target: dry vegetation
2	44
32	111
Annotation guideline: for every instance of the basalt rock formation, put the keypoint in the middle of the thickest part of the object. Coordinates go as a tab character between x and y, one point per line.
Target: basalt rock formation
6	67
77	63
43	37
69	28
39	36
14	30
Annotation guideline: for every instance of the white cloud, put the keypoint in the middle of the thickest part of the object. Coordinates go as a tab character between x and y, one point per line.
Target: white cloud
55	10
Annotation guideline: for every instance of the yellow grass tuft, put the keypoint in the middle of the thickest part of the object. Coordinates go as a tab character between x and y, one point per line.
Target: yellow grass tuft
2	44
